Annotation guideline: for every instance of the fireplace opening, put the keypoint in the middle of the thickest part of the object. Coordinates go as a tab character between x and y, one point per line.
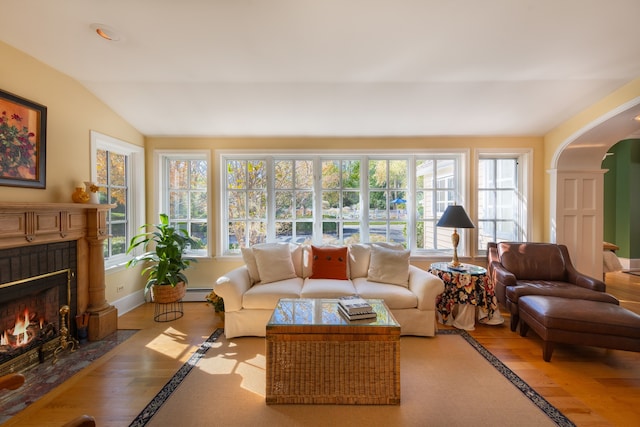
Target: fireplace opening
36	282
30	320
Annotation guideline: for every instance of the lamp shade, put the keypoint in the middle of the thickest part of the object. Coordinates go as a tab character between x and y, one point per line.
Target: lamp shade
455	217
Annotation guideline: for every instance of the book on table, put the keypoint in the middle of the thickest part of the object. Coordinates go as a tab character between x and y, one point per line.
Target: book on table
365	315
354	304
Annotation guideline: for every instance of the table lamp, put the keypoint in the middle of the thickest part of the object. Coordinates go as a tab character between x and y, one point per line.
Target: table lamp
455	217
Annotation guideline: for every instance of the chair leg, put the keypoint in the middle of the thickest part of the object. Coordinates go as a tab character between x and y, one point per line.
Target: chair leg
547	350
514	322
524	328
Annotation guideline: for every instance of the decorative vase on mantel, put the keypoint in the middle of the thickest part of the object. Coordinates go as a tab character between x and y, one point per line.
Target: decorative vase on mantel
92	190
80	196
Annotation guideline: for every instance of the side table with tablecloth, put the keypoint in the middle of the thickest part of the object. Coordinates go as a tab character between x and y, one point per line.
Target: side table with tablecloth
466	287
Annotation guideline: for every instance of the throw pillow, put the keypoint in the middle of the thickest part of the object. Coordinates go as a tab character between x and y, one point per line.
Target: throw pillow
274	262
359	254
250	262
329	263
389	266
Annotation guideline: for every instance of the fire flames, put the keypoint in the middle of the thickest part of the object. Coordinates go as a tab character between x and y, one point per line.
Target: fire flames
23	331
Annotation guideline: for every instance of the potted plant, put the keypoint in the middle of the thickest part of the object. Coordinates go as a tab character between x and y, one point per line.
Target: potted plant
164	248
216	302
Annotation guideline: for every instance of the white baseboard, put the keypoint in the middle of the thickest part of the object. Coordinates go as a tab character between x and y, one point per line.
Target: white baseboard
630	264
136	299
196	295
129	302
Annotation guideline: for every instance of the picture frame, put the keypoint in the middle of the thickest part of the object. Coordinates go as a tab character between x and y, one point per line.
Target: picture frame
23	142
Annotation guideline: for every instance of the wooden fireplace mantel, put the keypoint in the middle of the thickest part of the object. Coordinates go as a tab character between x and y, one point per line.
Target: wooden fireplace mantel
25	224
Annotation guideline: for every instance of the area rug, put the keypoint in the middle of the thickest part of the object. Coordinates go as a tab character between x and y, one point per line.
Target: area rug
44	377
450	380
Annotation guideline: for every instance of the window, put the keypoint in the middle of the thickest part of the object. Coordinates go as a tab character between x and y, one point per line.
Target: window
326	199
501	199
113	164
439	183
184	195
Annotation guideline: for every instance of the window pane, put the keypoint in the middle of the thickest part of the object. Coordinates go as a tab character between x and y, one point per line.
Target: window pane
179	174
486	176
258	233
330	174
283	174
257	175
236	174
424	174
118	237
330	203
198	205
304	174
199	174
330	233
101	166
506	205
304	204
257	204
378	177
198	233
119	198
237	205
486	233
284	231
284	204
117	169
506	171
378	205
351	174
237	235
178	204
304	232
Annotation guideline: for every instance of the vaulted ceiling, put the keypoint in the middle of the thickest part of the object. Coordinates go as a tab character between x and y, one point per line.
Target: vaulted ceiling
336	67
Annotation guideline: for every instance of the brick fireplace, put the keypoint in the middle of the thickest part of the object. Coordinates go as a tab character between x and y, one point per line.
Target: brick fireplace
51	255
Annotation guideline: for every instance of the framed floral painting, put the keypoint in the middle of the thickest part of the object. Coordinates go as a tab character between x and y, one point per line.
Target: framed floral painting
23	136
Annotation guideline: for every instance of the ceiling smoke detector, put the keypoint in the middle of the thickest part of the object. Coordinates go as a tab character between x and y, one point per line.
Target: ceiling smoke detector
106	32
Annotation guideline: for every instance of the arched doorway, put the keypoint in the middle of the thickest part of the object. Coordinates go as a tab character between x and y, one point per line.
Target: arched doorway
577	185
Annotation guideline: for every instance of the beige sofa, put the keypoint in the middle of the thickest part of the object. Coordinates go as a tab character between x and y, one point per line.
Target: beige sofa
274	271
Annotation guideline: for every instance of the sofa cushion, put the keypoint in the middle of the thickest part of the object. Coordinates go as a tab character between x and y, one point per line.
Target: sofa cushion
329	262
533	261
359	255
266	296
297	252
396	297
326	288
556	289
274	262
389	266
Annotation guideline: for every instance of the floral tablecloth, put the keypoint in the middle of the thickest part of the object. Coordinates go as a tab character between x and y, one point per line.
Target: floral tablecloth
465	285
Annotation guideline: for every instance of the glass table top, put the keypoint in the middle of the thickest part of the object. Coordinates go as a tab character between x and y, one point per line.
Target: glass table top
462	268
324	312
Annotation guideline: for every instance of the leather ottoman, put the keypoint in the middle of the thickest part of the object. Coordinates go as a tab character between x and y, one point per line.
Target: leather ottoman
580	322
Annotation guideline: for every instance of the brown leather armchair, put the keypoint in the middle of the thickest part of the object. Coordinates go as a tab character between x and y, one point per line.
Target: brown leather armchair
518	269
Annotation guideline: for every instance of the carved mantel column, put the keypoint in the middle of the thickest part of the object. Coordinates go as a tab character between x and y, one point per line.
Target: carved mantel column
103	318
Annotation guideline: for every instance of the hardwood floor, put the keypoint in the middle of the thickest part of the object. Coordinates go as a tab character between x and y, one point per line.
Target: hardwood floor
592	386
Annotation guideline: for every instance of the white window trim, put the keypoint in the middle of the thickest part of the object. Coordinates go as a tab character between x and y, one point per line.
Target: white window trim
525	177
160	201
135	180
463	159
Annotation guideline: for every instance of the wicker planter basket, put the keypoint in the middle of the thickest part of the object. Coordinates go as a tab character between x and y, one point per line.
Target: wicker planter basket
165	294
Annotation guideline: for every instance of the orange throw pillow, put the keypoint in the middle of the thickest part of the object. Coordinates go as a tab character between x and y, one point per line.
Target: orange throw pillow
329	263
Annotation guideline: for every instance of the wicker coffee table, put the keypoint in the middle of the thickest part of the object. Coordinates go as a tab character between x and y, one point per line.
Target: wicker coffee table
315	356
